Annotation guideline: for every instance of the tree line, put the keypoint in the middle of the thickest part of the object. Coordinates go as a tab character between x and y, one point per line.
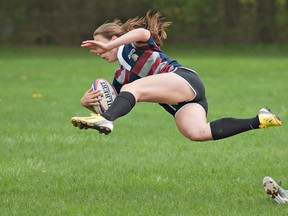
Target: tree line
68	22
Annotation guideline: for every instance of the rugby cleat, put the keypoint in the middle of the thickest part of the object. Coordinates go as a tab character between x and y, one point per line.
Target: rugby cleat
95	121
275	191
267	118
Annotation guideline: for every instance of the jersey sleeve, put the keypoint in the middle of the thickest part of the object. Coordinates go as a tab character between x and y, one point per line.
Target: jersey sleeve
149	44
121	76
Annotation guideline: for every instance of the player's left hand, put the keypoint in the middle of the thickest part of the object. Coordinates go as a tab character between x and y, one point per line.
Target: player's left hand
96	47
91	98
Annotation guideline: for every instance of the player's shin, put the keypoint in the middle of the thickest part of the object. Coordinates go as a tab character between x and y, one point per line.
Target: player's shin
122	105
227	127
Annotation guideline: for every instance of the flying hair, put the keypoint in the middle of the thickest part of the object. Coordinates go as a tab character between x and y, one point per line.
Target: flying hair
154	22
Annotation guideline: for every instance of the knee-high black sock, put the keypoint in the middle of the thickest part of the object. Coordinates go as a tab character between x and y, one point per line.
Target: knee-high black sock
122	104
227	127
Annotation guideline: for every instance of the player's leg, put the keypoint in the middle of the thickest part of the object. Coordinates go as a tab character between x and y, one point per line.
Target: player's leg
167	88
191	122
173	88
161	88
227	127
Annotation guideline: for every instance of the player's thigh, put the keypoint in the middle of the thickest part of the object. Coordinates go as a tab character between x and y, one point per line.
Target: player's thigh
166	88
191	121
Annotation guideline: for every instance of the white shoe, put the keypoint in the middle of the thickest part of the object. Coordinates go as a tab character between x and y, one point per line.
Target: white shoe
94	121
275	191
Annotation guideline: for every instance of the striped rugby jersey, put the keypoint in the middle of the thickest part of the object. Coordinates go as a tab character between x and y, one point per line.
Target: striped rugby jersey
139	60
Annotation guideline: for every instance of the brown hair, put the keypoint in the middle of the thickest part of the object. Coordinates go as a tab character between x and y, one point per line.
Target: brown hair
152	22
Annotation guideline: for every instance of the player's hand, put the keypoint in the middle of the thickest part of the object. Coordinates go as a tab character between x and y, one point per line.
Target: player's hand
96	47
91	98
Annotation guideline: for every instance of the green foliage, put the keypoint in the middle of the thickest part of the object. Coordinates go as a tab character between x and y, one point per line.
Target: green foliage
198	21
226	21
144	167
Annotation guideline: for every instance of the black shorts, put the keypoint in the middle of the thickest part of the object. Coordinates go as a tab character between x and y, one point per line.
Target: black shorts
196	84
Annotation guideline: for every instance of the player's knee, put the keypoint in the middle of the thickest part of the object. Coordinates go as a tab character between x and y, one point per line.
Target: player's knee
125	87
198	135
128	88
132	89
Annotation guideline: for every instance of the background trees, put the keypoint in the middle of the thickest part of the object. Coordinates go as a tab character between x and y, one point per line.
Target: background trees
67	22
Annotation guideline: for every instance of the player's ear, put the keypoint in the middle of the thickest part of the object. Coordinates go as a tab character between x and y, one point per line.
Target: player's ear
114	37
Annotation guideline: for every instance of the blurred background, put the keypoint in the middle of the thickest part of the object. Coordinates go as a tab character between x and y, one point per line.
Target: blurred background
68	22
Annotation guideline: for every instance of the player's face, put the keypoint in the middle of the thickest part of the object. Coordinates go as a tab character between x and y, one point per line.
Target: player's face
110	56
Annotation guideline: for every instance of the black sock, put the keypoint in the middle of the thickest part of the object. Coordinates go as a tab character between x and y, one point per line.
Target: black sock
122	105
227	127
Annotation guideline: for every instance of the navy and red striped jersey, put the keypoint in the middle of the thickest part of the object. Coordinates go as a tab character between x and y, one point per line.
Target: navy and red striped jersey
139	60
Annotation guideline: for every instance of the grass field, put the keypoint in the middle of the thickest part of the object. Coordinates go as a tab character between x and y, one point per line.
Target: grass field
145	167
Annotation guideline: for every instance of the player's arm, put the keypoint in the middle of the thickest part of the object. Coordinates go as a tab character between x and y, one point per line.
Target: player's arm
135	35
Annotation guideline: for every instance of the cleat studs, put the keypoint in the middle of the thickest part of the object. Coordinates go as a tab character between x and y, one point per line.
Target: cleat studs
90	123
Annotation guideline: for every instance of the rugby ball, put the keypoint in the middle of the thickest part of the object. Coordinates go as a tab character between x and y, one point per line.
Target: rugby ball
108	94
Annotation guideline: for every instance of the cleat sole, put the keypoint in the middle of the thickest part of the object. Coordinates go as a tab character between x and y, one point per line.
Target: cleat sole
82	124
270	187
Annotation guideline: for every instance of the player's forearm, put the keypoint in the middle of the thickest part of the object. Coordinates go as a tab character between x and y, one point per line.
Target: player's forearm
136	35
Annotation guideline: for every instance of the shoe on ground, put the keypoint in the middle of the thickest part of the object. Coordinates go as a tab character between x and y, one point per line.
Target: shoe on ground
268	119
95	121
275	191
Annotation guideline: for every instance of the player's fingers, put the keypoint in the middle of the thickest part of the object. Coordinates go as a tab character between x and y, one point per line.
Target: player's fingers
97	96
88	46
97	52
98	93
95	102
88	43
90	90
97	90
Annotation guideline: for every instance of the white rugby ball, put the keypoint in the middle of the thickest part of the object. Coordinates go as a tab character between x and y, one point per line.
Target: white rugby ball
108	94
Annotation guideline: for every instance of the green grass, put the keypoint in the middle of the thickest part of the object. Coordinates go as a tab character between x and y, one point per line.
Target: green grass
145	167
